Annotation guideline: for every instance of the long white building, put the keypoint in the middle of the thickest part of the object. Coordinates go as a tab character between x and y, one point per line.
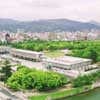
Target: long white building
26	54
68	63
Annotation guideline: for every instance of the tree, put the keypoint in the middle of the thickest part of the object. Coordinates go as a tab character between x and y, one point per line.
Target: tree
25	78
5	70
91	54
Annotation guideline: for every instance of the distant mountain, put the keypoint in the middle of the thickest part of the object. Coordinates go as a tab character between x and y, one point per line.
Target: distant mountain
95	23
8	25
50	25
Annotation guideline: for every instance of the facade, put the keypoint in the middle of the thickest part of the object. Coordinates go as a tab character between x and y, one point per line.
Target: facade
25	54
67	63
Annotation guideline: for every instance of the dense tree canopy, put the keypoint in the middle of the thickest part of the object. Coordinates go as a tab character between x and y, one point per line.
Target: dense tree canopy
26	78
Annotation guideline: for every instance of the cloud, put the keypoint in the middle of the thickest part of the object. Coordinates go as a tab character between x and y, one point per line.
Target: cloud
83	10
41	3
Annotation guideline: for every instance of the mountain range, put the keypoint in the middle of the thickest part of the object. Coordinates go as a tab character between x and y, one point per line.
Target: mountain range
95	23
50	25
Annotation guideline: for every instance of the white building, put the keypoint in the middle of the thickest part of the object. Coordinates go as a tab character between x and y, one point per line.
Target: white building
68	65
26	54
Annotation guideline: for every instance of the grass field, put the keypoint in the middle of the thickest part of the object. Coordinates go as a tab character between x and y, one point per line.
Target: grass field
59	94
54	54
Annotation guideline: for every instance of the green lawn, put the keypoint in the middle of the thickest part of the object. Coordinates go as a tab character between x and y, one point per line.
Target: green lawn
59	94
54	54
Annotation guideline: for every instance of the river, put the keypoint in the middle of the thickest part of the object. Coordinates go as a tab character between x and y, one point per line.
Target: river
93	95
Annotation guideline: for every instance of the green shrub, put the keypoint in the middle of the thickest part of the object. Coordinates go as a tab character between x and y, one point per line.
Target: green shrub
86	79
82	80
26	78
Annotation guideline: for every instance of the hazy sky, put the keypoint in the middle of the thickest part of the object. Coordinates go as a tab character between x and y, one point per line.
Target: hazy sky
83	10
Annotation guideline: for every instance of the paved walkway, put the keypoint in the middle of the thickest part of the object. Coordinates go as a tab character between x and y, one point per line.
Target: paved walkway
6	95
96	84
30	64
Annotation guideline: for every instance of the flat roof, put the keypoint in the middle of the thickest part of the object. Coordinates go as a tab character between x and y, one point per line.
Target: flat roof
26	51
67	60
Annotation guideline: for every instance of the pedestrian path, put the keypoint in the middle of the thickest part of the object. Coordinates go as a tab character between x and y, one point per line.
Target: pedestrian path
6	95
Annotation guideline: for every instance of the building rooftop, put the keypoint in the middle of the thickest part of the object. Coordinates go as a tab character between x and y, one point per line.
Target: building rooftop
26	51
68	60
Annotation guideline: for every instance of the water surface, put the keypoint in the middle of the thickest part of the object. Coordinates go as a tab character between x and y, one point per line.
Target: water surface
93	95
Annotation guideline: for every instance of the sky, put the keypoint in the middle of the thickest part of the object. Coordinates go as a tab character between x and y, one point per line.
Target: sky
25	10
